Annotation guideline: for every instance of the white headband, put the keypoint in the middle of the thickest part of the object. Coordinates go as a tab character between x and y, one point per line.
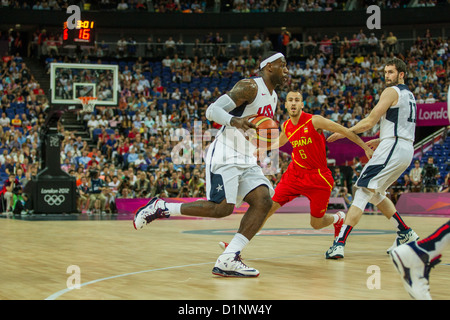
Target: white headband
272	58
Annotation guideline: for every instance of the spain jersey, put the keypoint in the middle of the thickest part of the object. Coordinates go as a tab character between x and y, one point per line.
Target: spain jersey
308	145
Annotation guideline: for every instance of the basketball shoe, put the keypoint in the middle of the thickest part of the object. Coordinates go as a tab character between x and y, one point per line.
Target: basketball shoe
231	265
339	223
154	209
414	266
336	251
402	238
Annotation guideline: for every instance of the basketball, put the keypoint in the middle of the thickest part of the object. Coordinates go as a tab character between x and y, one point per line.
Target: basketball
266	132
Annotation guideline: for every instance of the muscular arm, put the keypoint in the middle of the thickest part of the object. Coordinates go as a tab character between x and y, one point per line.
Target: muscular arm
320	122
388	98
243	92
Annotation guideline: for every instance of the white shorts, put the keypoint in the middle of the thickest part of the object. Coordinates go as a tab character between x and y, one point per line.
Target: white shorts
389	161
231	175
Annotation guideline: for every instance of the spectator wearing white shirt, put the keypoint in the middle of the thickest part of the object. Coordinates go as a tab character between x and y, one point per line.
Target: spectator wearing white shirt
4	120
321	97
206	94
176	94
335	115
92	124
430	98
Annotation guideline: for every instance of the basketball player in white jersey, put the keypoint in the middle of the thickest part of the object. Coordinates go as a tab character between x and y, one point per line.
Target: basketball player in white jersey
232	172
396	111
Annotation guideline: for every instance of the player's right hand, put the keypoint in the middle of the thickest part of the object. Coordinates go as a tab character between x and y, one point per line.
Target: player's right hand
243	123
335	136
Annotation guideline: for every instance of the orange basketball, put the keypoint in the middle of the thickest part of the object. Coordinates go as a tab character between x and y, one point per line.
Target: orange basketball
266	132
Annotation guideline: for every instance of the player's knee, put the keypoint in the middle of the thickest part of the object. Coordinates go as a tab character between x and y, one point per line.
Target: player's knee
223	210
263	204
377	198
362	197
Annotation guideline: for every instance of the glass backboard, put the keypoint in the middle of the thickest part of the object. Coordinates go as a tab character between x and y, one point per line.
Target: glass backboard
69	81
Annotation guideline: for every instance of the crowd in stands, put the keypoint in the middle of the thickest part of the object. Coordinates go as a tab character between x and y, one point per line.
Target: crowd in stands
201	6
132	144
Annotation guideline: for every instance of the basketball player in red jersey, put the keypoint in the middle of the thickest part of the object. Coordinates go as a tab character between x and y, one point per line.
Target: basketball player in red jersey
308	174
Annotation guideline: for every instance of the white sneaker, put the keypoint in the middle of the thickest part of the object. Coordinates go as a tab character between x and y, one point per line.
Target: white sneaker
231	265
414	267
402	238
336	251
154	209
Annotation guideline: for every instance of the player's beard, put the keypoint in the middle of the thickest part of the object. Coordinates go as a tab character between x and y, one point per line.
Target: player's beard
392	83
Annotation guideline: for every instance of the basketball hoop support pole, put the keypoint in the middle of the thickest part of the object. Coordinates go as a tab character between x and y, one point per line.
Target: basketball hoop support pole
52	190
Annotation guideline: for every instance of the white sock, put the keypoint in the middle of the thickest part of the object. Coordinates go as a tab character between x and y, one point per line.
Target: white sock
237	244
335	218
174	208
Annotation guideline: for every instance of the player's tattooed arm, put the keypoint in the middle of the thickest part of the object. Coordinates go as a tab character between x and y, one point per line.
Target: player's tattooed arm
244	92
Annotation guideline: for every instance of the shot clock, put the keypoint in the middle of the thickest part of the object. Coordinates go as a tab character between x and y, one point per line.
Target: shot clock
82	34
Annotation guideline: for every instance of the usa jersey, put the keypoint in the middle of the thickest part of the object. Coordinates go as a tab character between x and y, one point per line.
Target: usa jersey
308	145
400	120
264	104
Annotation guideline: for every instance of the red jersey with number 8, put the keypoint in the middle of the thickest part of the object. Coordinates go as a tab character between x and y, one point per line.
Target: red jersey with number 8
308	145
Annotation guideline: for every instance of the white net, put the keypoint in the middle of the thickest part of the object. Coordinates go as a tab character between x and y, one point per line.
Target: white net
88	104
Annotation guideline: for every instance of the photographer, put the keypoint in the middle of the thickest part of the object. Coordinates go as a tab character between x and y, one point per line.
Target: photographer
7	191
19	200
343	193
184	192
97	199
194	185
430	176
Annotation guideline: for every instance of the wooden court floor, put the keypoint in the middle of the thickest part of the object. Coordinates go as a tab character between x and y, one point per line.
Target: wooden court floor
172	260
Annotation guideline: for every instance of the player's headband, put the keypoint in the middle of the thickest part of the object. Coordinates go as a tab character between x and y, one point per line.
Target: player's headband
270	59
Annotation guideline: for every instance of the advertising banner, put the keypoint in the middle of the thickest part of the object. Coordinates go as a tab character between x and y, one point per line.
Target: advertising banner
432	114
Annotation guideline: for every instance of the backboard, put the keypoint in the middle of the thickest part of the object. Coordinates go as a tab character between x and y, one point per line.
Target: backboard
69	81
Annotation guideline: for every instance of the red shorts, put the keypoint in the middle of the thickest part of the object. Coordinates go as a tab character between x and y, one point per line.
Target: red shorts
316	185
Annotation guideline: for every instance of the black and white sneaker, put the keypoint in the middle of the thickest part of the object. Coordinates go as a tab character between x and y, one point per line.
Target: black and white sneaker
154	209
231	265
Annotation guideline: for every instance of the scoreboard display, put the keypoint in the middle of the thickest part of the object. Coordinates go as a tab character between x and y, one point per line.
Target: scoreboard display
82	34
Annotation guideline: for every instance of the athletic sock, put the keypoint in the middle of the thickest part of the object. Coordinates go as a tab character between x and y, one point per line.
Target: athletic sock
435	243
174	208
343	235
398	222
335	218
237	244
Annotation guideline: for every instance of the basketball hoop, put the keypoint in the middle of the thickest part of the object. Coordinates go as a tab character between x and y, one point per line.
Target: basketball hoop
88	103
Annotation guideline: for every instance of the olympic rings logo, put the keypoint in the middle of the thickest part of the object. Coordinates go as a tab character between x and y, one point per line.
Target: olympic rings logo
54	200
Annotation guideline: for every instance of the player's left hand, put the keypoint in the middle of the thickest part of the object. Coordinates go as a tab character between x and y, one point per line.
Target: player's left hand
335	136
369	153
373	144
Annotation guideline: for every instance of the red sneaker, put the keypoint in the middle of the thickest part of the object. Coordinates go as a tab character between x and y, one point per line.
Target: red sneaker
339	223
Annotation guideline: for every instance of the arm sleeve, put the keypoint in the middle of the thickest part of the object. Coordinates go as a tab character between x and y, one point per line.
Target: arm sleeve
219	110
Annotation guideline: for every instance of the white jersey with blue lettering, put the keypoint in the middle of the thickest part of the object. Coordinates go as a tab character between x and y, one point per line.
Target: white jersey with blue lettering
232	170
400	119
395	151
264	104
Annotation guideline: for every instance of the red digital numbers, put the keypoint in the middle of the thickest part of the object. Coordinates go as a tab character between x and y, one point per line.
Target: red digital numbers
84	34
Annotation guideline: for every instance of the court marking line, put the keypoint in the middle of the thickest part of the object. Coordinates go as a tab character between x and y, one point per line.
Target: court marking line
58	294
